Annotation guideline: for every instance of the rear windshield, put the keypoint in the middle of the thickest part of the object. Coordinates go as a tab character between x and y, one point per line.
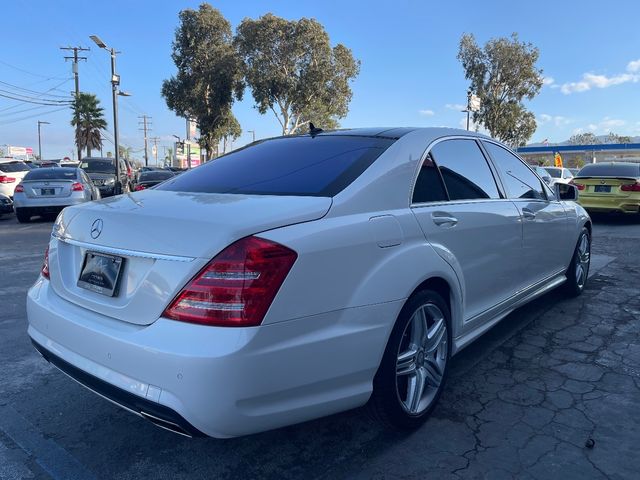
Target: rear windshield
609	170
554	172
14	167
154	176
52	174
309	166
99	166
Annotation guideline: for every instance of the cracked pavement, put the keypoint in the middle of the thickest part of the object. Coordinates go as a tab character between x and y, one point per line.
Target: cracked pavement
522	402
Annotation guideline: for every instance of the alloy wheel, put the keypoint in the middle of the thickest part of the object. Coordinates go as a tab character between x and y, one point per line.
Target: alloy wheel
583	260
422	358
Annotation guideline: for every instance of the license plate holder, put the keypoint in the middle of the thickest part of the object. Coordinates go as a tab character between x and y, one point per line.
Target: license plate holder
602	189
101	273
47	191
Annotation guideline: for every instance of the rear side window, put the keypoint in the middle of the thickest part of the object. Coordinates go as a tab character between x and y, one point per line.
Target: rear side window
308	166
464	169
519	180
14	167
52	174
605	170
429	186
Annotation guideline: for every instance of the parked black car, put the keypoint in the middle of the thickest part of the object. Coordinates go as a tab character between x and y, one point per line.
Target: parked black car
151	178
102	172
6	205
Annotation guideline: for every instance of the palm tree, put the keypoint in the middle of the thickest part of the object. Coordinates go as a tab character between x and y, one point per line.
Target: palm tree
88	120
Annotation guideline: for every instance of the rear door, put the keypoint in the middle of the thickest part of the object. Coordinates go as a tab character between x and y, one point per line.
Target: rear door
544	220
465	217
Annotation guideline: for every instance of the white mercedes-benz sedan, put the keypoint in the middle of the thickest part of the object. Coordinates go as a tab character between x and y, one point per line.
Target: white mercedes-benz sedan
302	276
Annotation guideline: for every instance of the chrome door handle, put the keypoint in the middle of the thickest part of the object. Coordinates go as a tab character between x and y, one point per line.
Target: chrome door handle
528	214
441	218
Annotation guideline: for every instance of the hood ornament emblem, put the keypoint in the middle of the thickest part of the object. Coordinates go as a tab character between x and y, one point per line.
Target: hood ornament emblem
96	228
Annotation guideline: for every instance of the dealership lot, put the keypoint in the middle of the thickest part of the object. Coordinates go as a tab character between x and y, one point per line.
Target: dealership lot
522	401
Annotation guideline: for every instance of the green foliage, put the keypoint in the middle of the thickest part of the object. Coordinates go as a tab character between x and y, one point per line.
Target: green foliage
88	118
503	73
294	72
615	138
587	138
124	152
209	77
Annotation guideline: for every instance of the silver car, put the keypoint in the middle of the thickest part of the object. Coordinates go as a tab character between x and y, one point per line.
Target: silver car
46	191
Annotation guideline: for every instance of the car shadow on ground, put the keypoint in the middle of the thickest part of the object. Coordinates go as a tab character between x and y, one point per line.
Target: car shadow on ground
615	218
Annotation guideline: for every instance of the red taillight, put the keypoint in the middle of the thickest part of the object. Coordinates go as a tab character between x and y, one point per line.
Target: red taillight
237	287
6	179
77	187
19	188
137	188
633	187
45	265
128	171
579	186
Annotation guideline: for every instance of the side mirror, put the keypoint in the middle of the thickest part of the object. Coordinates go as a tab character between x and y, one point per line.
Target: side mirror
566	191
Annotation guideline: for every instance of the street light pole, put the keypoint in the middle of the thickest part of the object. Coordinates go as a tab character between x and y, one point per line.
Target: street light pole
39	141
115	82
253	134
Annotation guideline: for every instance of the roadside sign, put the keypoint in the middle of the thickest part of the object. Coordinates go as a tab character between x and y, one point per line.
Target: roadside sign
474	103
154	150
558	160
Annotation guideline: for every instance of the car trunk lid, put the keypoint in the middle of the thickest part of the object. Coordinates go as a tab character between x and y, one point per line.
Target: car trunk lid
164	239
47	188
605	186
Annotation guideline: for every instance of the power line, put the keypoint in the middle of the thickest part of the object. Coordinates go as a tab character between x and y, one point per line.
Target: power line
28	72
15	120
34	92
36	101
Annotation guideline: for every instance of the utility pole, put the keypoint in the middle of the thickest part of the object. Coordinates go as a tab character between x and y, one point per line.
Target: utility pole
146	126
75	59
39	142
154	150
252	132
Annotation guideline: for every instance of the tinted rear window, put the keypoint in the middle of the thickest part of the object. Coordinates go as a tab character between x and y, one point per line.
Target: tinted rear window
99	166
609	170
309	166
52	174
155	176
554	172
14	167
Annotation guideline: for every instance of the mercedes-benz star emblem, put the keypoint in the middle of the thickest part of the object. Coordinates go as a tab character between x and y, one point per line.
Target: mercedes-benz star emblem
96	228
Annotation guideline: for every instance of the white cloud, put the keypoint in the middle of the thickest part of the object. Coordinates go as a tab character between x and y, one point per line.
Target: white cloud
604	126
592	80
633	66
548	80
455	106
557	120
427	113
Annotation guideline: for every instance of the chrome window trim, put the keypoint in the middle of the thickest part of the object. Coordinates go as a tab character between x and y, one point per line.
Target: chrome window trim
121	251
426	153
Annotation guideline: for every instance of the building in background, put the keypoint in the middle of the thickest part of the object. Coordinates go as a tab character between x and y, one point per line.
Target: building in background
578	155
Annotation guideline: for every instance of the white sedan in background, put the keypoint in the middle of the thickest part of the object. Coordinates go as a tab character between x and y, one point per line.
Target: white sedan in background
559	175
302	276
11	173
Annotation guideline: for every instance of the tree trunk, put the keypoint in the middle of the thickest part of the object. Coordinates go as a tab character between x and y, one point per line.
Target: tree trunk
88	151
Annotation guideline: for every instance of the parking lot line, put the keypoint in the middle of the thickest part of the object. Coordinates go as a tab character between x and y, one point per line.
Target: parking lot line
52	458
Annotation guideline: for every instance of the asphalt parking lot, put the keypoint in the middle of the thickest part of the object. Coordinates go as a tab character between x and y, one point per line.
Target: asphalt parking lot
522	402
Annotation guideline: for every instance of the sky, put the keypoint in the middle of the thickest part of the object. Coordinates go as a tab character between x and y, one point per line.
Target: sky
589	54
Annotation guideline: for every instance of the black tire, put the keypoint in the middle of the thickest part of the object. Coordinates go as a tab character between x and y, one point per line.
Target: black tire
386	404
575	283
23	215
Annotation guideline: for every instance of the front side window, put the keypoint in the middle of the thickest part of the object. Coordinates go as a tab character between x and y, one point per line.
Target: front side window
464	169
519	180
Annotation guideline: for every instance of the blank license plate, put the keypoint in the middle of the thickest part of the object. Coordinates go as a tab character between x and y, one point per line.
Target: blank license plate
48	191
100	273
602	189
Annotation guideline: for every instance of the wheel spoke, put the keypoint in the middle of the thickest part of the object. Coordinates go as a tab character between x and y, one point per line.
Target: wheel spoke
433	372
435	335
415	389
579	273
418	327
406	363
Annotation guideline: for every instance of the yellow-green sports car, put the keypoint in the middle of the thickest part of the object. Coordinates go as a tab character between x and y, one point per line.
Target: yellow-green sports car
609	187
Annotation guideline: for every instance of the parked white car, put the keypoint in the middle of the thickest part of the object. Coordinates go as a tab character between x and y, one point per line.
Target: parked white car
302	276
559	175
11	173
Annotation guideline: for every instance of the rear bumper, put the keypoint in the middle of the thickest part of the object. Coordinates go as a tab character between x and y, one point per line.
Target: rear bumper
6	208
223	382
20	201
610	204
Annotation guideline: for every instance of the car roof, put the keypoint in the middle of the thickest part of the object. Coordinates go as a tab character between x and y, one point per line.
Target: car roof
10	160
